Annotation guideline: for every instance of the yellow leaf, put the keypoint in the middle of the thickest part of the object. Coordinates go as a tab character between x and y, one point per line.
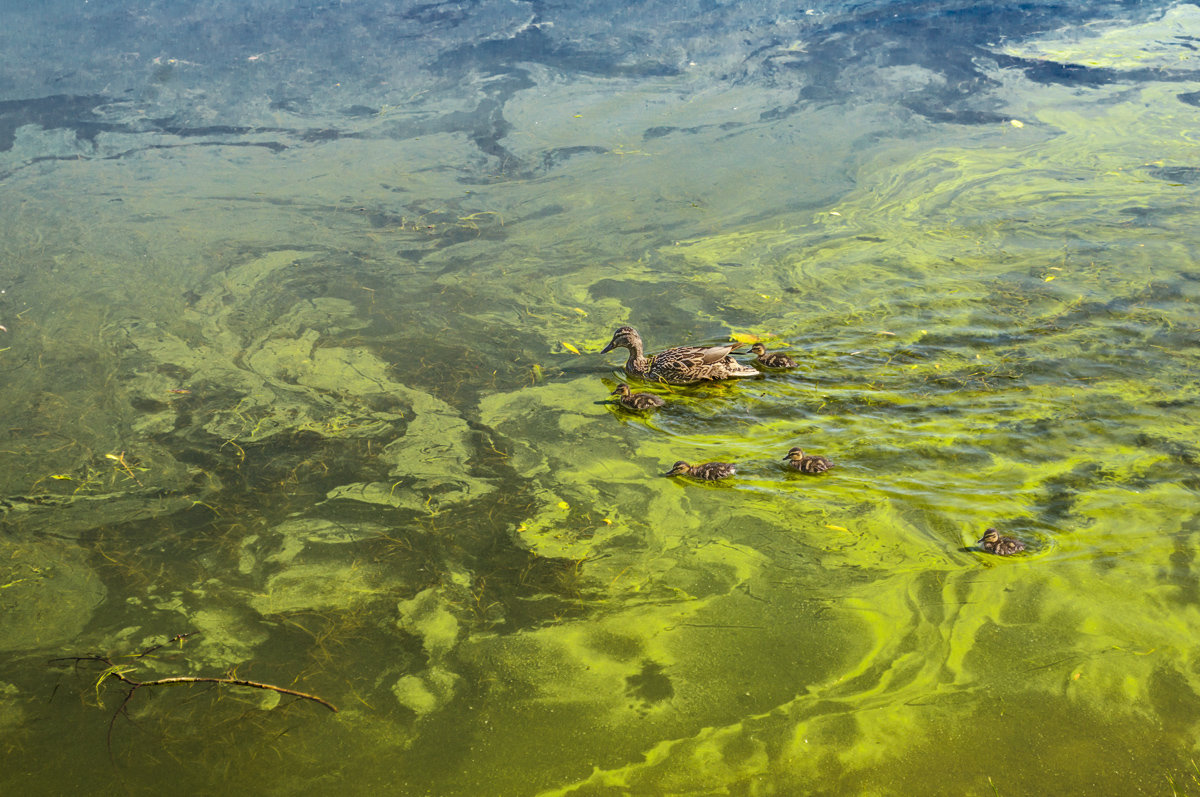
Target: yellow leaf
563	505
745	337
570	348
579	310
522	527
607	522
1016	123
1052	276
60	476
836	528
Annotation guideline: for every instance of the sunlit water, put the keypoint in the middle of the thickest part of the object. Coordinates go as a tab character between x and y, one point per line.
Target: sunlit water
304	305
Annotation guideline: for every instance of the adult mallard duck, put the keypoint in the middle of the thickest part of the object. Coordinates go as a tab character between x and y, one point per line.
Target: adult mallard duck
709	471
636	401
993	542
680	366
771	359
807	463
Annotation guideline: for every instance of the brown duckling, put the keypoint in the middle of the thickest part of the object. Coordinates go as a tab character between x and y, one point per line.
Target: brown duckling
992	542
708	471
771	359
807	463
636	401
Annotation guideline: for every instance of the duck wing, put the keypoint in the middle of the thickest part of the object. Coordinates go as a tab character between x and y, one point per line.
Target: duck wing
712	354
817	464
694	357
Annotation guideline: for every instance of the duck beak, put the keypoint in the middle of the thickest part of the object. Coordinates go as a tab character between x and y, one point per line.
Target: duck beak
611	345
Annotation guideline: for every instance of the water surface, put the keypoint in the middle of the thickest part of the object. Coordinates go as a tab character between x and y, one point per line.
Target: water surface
304	305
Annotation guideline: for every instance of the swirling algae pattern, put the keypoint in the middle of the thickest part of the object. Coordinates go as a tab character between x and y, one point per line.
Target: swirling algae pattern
984	342
998	331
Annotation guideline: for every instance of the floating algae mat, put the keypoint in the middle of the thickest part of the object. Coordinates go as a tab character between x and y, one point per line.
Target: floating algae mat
347	430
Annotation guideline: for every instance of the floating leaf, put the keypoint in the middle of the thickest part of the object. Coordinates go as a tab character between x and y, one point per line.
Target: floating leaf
570	348
745	337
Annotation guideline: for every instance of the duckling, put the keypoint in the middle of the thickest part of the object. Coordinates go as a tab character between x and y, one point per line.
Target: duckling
807	463
683	365
708	471
992	542
771	360
636	401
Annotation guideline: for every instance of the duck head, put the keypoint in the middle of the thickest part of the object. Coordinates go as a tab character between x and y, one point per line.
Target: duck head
625	336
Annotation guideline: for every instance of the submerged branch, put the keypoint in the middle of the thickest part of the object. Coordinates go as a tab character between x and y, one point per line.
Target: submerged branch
190	679
123	673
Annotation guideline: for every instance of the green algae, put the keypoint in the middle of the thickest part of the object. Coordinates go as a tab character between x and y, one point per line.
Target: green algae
48	594
991	386
320	586
1150	45
434	514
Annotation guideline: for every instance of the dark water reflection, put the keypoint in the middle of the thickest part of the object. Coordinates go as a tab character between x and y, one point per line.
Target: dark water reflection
303	305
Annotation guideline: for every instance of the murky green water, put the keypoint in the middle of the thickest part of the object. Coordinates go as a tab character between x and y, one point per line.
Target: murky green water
336	404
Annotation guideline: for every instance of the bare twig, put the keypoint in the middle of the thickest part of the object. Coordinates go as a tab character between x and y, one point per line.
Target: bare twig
123	673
